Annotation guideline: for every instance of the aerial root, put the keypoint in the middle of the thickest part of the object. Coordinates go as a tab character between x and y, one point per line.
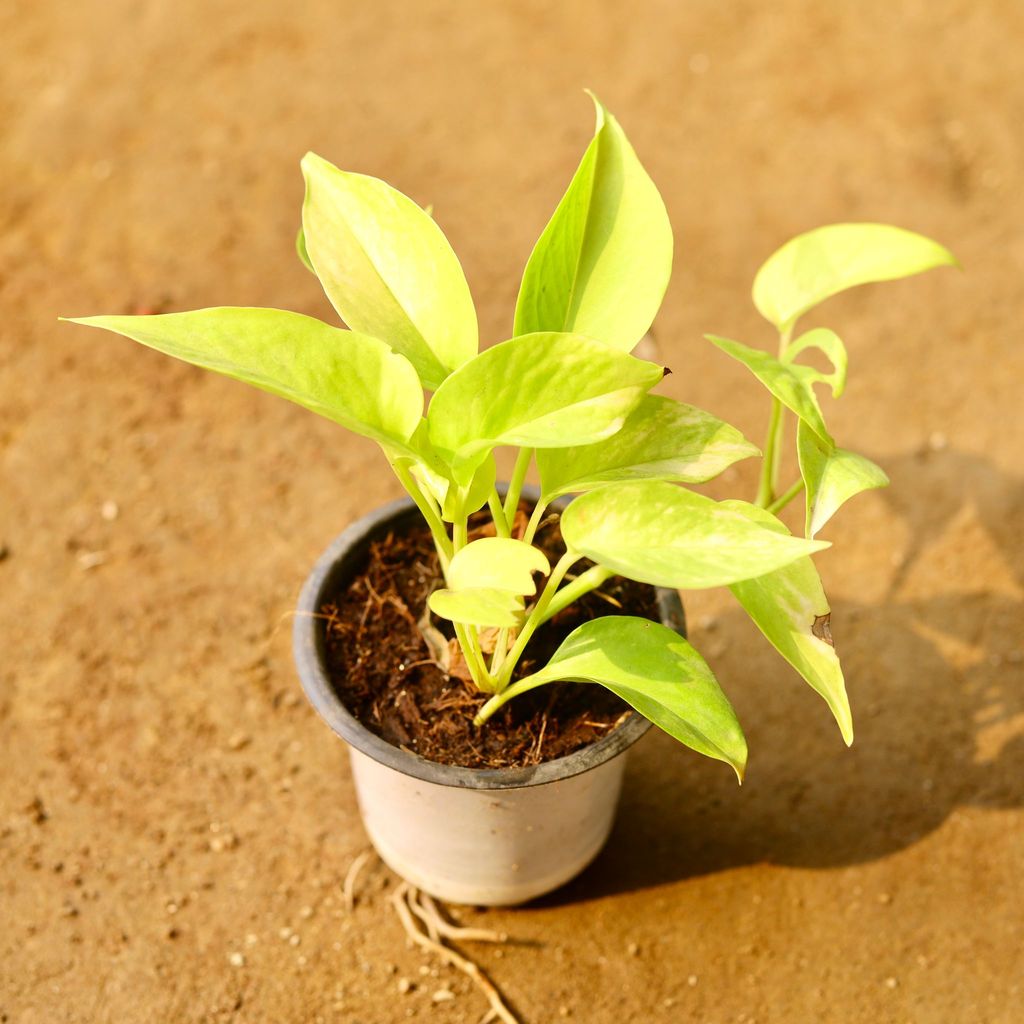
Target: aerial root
411	906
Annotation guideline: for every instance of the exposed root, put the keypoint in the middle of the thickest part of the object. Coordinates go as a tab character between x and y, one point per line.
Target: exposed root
454	931
348	888
406	900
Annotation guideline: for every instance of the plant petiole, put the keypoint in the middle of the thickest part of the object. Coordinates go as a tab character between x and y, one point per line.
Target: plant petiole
536	617
515	486
781	502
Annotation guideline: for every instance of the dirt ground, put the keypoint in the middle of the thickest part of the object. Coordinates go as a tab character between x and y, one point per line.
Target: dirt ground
175	822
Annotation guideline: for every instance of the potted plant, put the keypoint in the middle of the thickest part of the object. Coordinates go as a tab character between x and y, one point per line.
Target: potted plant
567	394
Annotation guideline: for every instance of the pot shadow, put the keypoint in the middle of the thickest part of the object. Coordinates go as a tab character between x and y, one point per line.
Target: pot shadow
937	687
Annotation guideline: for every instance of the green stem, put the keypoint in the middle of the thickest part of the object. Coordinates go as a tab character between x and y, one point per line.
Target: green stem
497	514
470	645
538	514
573	591
437	529
503	696
781	502
769	481
500	650
460	534
536	616
515	485
765	488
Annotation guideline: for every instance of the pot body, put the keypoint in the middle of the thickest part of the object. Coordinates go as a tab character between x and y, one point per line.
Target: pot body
486	847
486	837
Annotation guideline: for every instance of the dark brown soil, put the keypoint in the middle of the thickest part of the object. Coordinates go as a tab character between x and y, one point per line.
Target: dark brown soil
383	669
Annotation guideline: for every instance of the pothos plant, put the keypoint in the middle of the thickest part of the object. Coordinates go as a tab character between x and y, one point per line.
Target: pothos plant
566	393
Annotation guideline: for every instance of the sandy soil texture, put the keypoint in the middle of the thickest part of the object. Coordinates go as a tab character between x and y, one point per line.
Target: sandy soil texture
175	822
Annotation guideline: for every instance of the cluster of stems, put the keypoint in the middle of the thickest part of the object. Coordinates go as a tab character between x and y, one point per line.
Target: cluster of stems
494	675
768	495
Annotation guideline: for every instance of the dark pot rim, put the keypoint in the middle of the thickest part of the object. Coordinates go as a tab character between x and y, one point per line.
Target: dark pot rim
329	572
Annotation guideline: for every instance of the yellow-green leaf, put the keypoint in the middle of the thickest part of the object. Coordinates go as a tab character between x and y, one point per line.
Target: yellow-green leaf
831	477
790	608
602	264
497	562
659	533
350	378
818	264
656	671
662	439
388	268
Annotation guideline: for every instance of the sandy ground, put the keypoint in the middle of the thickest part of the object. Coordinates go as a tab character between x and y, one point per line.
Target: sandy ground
170	808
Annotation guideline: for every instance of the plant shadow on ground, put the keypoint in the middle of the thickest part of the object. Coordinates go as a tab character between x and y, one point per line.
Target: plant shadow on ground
937	686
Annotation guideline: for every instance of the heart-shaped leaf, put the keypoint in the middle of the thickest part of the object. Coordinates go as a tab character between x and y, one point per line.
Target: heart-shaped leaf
478	606
537	391
656	671
387	268
831	477
602	264
789	606
350	378
661	534
662	439
814	266
791	383
497	562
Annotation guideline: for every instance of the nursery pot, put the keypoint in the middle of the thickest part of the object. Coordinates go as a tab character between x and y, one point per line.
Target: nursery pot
486	837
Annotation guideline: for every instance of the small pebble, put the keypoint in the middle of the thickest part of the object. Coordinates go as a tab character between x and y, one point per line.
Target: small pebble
236	959
91	559
405	986
891	983
937	441
424	970
294	940
251	939
109	511
172	907
443	995
285	933
238	740
633	949
692	980
306	912
885	898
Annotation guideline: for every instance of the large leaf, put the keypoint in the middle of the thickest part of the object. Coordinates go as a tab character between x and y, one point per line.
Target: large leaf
479	606
350	378
656	671
791	383
602	264
831	477
661	534
790	608
498	562
814	266
537	391
388	268
661	440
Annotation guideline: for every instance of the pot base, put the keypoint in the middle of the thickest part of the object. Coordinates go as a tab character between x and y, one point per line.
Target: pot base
487	847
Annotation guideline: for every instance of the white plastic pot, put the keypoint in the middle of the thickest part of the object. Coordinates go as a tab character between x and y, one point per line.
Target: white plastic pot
479	836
